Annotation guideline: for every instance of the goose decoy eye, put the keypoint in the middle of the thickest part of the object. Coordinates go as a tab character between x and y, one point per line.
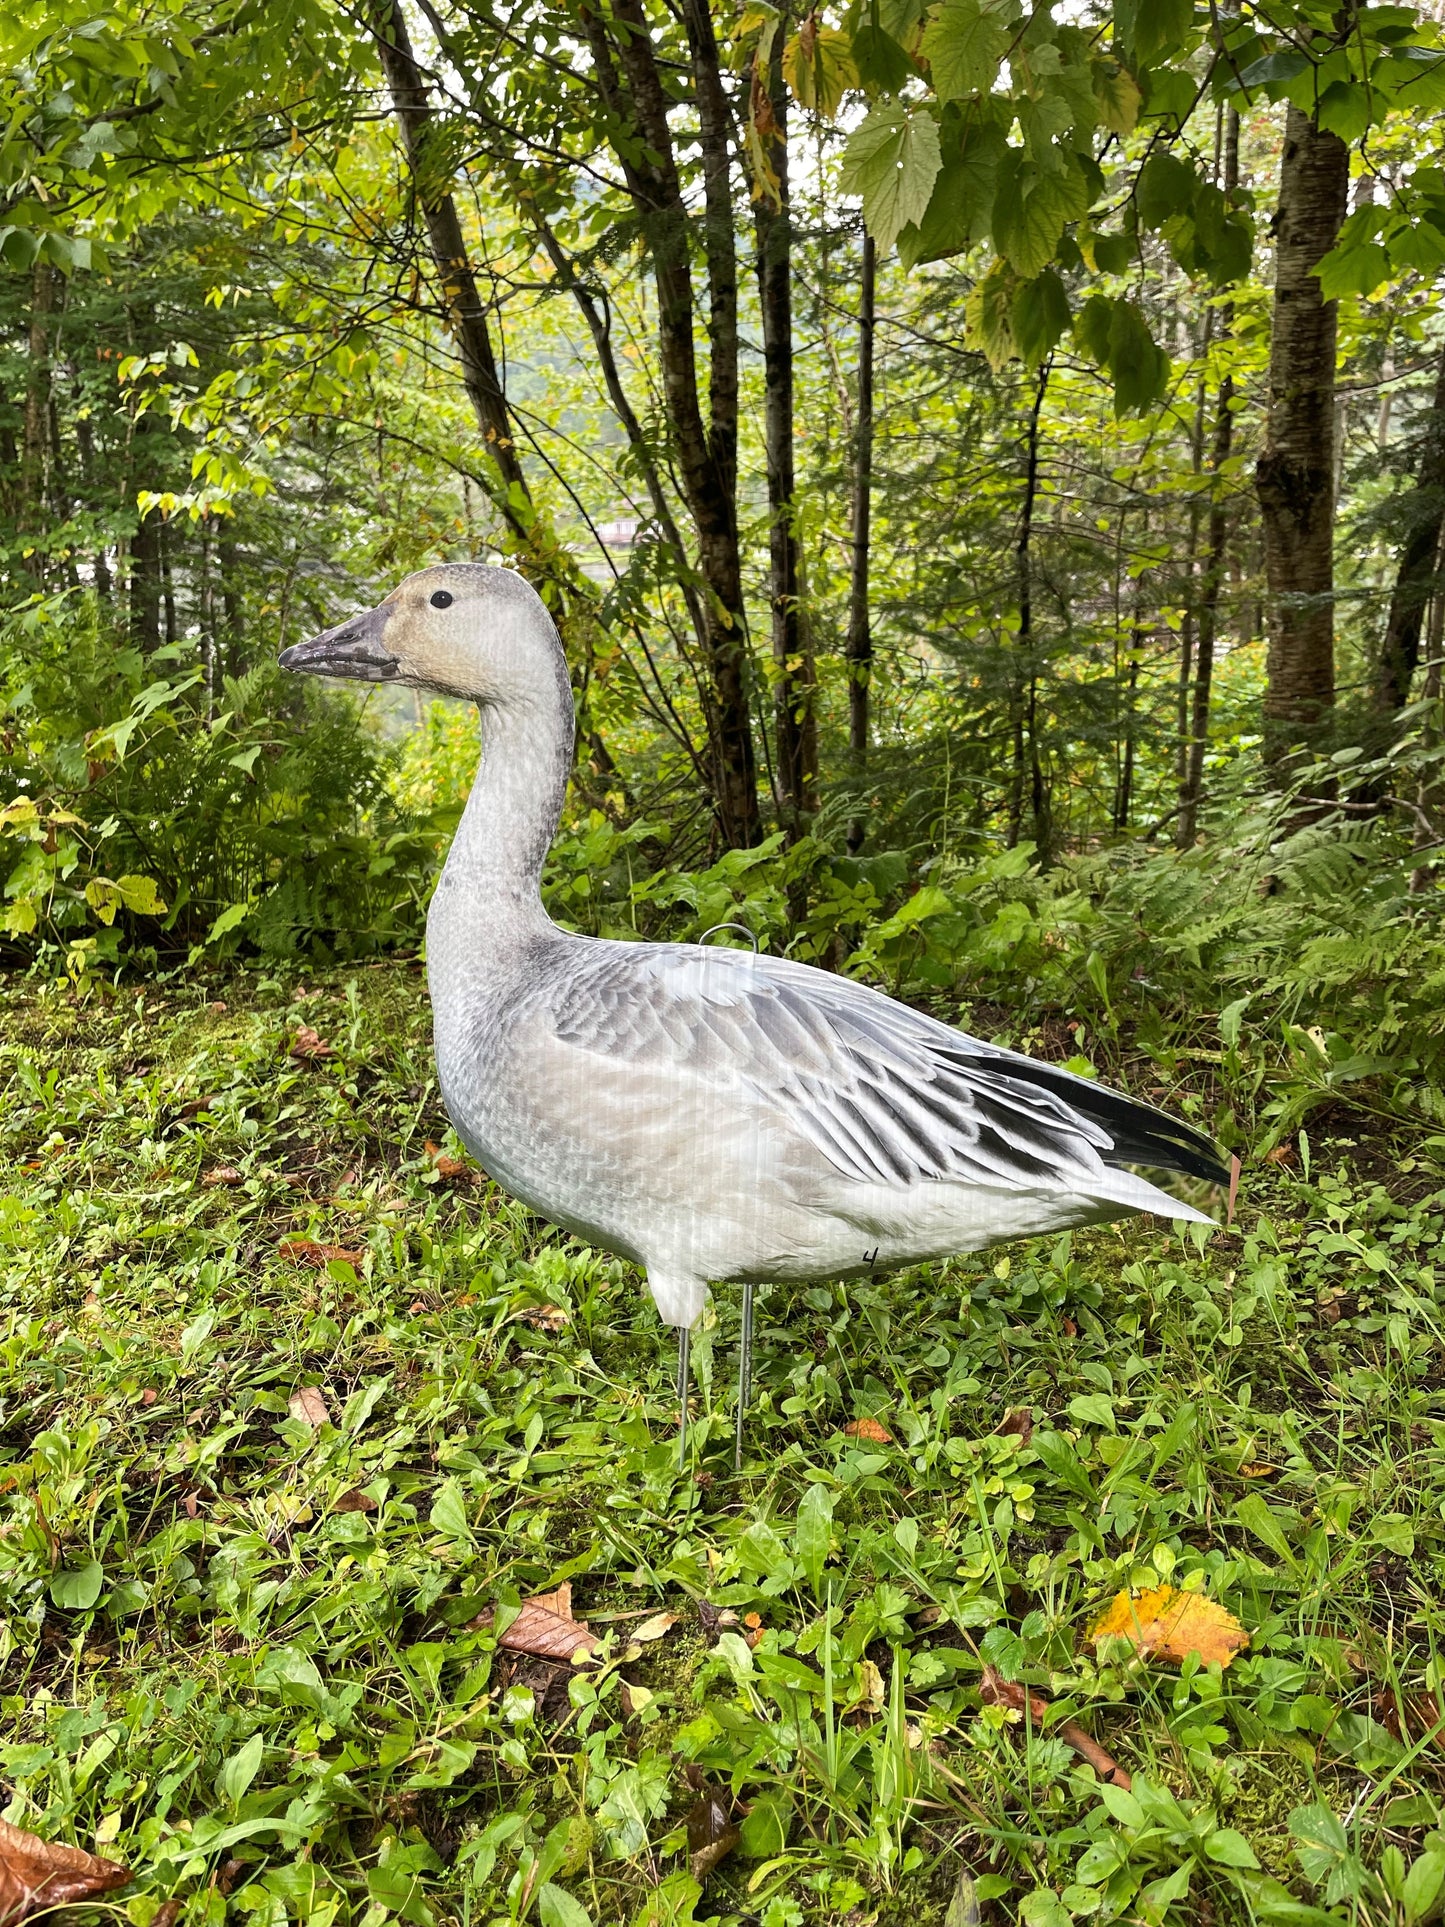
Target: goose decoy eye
441	599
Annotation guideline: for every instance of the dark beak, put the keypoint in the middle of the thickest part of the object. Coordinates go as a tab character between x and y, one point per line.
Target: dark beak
352	651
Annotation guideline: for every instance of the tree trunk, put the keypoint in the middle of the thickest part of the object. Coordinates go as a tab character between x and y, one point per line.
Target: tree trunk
466	315
229	650
36	431
145	583
794	687
1295	473
1415	574
628	79
1217	549
1024	717
858	647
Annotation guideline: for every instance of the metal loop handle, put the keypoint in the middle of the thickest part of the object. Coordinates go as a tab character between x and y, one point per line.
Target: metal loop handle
731	926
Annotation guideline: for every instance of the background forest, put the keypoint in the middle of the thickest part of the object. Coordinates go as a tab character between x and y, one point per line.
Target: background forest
986	462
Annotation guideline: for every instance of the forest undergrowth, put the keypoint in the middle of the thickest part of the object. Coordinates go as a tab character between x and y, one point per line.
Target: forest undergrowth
298	1409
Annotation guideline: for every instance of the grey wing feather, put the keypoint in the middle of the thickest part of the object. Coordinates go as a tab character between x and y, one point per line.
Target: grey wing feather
882	1092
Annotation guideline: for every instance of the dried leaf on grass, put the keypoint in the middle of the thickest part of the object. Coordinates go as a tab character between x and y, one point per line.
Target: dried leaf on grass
1017	1424
1413	1717
1166	1624
306	1251
308	1403
995	1690
869	1429
711	1831
546	1629
308	1045
444	1166
654	1628
545	1318
221	1174
39	1874
355	1501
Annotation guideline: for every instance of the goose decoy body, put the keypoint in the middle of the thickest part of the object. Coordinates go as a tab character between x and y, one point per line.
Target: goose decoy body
713	1115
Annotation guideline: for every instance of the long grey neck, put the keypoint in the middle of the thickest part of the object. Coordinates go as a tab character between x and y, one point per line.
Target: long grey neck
493	872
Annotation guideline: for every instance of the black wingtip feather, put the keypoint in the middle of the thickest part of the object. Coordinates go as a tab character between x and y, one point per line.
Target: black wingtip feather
1141	1134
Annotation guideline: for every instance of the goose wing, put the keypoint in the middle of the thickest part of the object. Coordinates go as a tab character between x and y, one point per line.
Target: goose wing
884	1093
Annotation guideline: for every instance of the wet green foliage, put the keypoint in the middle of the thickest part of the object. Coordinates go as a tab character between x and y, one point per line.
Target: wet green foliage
245	1652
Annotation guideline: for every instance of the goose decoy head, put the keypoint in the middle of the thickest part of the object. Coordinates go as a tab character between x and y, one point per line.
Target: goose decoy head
462	629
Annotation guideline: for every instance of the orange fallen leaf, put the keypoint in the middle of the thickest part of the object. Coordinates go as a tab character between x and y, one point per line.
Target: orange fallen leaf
546	1629
1164	1623
306	1251
221	1174
755	1628
308	1403
544	1318
1281	1154
994	1690
1251	1470
308	1044
869	1429
444	1166
38	1874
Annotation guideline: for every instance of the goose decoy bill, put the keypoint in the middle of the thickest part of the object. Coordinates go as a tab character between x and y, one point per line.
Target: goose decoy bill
716	1116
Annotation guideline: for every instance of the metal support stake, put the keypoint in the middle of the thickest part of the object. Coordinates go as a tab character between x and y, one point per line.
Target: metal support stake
684	1347
745	1376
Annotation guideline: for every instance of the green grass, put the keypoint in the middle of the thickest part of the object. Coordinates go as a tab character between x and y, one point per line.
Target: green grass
275	1709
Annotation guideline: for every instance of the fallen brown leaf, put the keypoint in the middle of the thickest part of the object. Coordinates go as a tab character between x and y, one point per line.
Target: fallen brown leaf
1070	1329
546	1629
355	1501
1281	1154
1016	1424
167	1914
190	1507
40	1874
754	1628
149	1395
306	1251
545	1318
308	1045
308	1403
1412	1717
194	1109
221	1174
1251	1470
1163	1623
869	1429
711	1832
444	1166
997	1691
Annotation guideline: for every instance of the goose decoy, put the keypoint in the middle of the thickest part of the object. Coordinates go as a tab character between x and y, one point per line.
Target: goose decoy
713	1115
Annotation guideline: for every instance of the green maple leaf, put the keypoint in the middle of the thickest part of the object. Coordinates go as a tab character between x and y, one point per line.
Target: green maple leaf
892	160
